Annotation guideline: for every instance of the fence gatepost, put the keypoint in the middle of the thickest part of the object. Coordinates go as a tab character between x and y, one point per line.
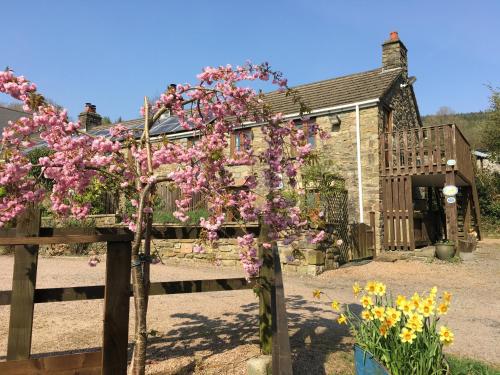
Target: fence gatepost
23	287
266	290
116	308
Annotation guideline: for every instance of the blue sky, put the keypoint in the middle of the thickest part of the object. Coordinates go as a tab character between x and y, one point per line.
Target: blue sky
112	53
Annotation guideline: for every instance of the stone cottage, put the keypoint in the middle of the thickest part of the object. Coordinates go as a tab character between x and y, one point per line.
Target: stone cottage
364	113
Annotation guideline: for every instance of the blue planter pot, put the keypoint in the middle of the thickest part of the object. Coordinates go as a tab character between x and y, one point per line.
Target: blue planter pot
365	364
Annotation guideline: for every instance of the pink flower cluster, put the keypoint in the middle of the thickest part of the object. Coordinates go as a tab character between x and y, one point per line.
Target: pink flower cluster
218	105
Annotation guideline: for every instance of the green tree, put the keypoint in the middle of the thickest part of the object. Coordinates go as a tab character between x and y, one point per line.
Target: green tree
491	133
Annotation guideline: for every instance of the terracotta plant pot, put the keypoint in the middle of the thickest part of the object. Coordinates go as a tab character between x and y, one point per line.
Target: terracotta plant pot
445	251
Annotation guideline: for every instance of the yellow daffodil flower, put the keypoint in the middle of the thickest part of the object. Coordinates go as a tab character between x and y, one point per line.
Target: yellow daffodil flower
380	289
356	289
383	330
442	309
366	315
371	287
335	305
317	293
415	325
406	307
389	322
400	300
433	292
446	336
378	312
416	301
392	313
426	310
342	319
447	297
366	301
407	335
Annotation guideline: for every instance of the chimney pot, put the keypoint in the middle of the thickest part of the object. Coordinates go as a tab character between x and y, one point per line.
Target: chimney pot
394	36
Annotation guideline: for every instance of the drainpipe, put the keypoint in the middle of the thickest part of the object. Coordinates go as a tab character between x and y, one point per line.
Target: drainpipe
358	157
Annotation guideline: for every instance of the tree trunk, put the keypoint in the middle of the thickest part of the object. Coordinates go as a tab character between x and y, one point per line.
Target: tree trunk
141	333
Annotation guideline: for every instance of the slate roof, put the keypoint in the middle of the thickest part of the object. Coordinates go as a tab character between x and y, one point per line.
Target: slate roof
323	94
337	91
9	114
333	92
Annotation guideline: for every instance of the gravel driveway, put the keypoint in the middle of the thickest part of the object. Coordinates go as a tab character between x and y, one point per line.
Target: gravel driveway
215	333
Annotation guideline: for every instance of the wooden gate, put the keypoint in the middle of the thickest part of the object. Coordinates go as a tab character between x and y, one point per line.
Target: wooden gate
362	239
397	210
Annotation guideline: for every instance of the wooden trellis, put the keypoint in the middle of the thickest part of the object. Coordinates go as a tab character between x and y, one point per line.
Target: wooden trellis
112	359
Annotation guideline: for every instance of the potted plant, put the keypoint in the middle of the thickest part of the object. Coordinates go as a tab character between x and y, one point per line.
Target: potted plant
397	336
445	249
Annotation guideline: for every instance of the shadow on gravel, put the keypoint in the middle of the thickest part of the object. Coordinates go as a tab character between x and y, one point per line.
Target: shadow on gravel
312	336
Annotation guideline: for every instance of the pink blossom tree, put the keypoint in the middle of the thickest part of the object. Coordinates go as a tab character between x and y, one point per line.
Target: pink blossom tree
214	108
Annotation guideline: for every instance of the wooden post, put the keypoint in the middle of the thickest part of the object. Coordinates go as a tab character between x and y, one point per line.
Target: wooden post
266	291
116	308
282	359
451	212
23	287
374	236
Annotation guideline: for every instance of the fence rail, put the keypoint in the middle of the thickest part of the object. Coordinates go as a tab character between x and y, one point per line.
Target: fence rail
116	294
426	150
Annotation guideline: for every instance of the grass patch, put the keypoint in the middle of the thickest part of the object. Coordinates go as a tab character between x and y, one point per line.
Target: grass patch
168	217
465	366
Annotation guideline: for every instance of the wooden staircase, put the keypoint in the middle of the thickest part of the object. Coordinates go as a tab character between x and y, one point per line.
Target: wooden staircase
433	156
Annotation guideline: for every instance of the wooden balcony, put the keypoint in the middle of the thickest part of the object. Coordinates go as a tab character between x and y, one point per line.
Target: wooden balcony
427	150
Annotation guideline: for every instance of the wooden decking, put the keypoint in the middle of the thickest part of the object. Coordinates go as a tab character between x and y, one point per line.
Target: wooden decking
426	151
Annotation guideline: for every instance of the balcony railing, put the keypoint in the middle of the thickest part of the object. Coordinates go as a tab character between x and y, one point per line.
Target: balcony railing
426	150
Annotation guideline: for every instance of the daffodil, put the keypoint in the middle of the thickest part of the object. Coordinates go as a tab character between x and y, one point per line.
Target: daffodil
317	293
400	300
379	312
392	313
366	301
442	308
446	336
416	301
342	319
383	330
407	335
366	315
415	325
371	287
335	305
389	322
406	307
433	292
426	310
380	289
356	289
447	297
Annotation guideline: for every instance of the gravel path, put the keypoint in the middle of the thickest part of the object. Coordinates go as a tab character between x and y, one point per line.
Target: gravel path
215	333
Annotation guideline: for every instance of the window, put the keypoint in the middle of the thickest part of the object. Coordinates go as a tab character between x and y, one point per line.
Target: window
388	120
310	136
239	139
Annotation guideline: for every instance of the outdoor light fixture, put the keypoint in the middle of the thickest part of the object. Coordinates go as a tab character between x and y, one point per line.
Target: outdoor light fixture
335	121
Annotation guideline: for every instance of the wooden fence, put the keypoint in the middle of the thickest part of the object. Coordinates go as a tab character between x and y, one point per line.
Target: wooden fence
116	292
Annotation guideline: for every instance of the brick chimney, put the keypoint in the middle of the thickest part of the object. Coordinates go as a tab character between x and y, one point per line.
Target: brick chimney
394	53
89	118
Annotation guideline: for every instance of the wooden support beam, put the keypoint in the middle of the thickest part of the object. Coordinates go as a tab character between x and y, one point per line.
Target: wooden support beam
23	287
451	212
282	358
265	292
116	308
